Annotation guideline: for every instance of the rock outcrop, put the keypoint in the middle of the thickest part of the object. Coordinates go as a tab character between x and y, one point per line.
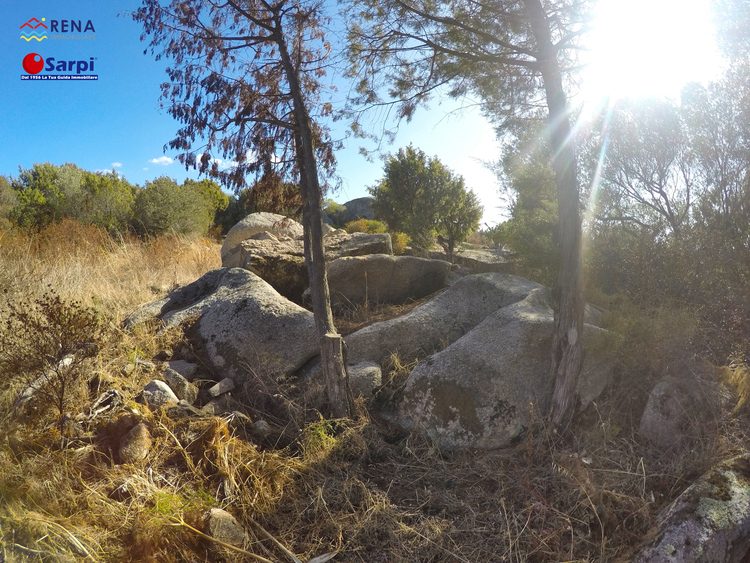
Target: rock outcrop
708	523
478	259
277	225
359	208
380	278
478	392
242	321
441	321
282	263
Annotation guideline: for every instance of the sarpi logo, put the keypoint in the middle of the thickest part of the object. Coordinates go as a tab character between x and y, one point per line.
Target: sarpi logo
60	29
34	29
34	63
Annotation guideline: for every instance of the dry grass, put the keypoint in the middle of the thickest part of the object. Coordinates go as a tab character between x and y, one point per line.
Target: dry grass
360	487
85	264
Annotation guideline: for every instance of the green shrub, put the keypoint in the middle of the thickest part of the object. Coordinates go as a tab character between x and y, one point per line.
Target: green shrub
399	242
366	226
335	212
164	206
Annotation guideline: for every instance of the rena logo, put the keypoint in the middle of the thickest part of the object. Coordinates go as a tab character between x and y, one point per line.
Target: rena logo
30	30
60	29
33	63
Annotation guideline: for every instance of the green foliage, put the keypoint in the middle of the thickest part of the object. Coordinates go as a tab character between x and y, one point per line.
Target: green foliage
335	212
399	242
7	202
269	194
366	226
420	197
45	342
494	234
645	178
272	195
531	229
164	206
215	200
459	217
39	199
46	193
105	200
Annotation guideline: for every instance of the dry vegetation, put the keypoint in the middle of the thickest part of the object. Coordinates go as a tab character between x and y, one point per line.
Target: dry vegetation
362	487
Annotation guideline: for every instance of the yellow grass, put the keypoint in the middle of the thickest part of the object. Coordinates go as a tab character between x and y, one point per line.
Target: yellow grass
113	275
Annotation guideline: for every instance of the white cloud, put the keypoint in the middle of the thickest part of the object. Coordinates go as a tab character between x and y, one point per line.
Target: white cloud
117	165
224	164
163	160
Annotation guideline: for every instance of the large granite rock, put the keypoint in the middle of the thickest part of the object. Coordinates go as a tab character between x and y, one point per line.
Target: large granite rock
708	523
359	208
282	262
478	392
382	278
441	321
242	321
478	259
277	225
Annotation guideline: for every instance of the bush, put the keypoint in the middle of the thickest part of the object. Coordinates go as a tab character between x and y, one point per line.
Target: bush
366	226
45	342
422	198
163	206
336	212
399	242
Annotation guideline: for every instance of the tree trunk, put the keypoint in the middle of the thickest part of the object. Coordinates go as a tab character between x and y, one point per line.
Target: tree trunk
568	298
332	345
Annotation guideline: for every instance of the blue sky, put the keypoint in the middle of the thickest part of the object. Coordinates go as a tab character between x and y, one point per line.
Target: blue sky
116	121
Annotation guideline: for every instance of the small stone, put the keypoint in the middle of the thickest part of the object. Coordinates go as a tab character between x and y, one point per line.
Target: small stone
158	394
184	368
145	365
136	444
364	378
223	386
261	428
181	386
222	405
239	421
188	408
163	356
222	526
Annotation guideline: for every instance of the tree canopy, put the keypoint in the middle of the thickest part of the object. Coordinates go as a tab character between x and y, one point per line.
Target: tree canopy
421	197
246	85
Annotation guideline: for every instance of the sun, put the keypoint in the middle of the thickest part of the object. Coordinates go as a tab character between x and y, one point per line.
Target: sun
649	48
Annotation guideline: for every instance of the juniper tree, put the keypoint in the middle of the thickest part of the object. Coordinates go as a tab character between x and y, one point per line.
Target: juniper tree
245	85
516	55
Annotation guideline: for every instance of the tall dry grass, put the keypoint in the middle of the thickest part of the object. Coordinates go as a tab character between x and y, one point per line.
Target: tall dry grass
84	263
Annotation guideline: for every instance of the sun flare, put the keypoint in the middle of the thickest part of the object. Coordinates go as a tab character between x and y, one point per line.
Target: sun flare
650	47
